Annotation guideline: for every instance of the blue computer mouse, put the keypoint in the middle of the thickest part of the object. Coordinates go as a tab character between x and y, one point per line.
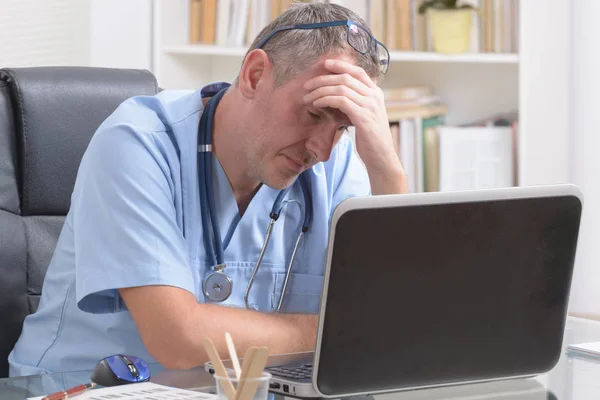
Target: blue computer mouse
119	370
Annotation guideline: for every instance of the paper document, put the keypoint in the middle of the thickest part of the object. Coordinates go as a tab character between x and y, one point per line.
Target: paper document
475	158
587	349
141	391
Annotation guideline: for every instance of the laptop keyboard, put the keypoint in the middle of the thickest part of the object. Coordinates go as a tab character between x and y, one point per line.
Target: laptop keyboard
299	372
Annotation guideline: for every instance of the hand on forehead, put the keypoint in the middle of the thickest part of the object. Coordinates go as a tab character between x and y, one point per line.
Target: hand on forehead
349	90
343	64
339	76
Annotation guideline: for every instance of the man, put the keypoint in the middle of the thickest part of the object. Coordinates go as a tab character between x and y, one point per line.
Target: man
130	271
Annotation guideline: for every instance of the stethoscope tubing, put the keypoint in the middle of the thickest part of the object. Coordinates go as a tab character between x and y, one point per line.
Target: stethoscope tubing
207	206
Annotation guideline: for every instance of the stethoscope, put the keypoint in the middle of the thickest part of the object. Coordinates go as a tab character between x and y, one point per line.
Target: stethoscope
218	286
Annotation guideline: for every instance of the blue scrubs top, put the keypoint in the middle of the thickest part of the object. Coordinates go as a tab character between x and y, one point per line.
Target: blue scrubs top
135	221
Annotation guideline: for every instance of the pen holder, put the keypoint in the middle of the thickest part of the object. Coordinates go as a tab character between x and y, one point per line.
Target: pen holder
245	388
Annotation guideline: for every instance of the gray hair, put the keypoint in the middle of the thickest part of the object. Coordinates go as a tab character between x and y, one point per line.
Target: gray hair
295	50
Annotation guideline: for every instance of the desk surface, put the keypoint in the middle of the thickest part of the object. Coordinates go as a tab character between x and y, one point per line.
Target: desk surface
573	378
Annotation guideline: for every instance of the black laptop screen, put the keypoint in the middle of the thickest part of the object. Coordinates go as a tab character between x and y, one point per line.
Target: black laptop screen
434	294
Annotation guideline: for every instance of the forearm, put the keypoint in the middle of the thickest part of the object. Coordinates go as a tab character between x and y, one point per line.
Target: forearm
172	325
281	333
178	344
390	179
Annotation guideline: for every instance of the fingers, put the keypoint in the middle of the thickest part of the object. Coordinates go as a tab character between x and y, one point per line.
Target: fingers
341	67
343	79
337	90
347	88
342	103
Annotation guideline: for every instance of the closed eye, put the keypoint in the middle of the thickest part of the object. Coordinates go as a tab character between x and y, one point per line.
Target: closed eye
315	116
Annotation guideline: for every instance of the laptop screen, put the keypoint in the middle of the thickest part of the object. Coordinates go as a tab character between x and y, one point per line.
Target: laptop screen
442	293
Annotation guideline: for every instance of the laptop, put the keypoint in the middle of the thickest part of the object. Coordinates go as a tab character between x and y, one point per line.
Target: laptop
435	289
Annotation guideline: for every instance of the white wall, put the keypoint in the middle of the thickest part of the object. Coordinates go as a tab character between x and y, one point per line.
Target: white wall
543	91
584	151
121	34
43	32
105	33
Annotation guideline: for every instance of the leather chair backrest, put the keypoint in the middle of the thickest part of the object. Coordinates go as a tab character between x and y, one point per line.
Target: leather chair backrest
47	118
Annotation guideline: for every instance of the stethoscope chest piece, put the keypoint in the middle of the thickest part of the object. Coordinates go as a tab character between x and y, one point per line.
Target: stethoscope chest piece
218	285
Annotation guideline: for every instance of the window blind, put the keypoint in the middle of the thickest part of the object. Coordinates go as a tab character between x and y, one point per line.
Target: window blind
44	32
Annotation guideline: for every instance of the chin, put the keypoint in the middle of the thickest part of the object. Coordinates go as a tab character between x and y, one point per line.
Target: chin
279	182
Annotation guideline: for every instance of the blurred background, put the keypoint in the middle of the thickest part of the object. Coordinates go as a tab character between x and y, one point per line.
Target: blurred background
495	93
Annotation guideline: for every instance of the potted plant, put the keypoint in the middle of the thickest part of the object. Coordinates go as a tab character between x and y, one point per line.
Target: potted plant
450	24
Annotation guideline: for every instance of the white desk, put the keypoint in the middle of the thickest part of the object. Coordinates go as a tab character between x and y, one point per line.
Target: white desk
573	378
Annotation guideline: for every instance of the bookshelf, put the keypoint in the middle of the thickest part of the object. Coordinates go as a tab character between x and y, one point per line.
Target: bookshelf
474	85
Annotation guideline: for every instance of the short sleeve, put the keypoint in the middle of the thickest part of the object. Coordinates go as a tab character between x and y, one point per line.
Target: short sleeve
124	219
350	178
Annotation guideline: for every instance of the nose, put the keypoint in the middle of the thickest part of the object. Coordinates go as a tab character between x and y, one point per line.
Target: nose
321	141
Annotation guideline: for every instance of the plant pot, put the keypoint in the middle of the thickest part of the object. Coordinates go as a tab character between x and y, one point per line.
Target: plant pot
450	30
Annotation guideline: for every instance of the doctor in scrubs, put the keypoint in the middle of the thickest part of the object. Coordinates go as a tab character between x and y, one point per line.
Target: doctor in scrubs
144	235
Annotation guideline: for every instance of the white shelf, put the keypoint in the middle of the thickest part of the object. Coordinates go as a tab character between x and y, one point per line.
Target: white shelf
490	58
395	56
205	49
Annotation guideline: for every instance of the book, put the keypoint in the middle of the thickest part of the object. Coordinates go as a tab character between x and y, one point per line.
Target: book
415	122
475	158
397	23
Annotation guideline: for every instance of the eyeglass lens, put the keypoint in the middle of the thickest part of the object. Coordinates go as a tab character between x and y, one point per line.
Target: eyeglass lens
360	40
383	58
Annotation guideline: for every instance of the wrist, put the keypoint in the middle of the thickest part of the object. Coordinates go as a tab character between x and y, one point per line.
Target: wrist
388	179
303	329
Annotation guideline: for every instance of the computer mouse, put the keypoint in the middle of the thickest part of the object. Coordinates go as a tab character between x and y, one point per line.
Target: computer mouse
120	369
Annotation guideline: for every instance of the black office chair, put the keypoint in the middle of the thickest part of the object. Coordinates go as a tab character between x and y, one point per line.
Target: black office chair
47	118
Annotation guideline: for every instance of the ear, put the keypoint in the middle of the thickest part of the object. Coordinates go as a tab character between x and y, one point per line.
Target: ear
256	71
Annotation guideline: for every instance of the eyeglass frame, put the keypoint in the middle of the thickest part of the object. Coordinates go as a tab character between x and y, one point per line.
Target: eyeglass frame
318	25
